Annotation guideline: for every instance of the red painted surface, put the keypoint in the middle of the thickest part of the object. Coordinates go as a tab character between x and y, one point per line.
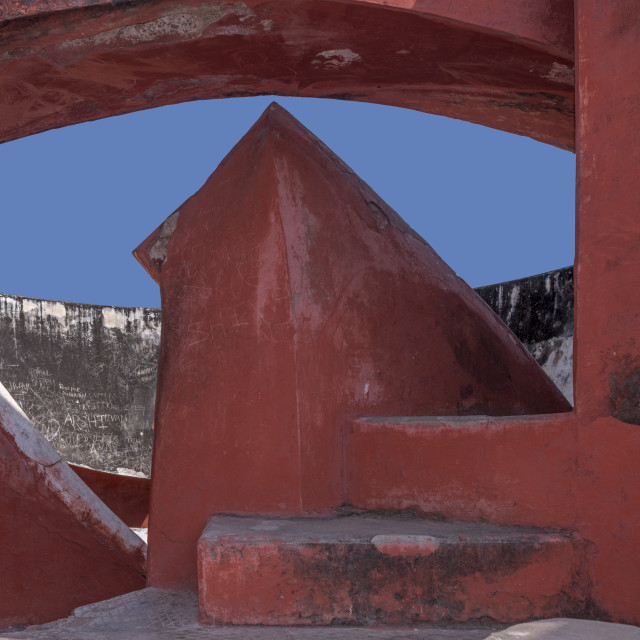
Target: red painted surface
510	69
293	297
260	575
546	471
607	350
608	501
548	24
61	547
502	470
63	62
126	496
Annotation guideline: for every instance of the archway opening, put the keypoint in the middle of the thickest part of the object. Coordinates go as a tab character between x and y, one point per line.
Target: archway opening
495	206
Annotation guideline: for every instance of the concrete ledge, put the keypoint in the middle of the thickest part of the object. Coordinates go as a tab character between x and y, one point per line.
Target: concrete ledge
508	470
376	569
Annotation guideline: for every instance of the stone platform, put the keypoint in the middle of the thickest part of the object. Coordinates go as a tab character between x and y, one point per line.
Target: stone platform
370	569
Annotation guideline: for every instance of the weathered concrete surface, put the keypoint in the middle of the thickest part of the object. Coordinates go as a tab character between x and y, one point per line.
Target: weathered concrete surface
293	297
503	470
552	471
503	64
608	255
85	375
568	629
61	546
607	350
539	310
153	613
371	569
547	24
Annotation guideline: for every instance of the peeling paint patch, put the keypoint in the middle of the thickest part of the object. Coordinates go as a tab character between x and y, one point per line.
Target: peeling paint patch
336	58
561	74
235	30
381	218
186	22
158	248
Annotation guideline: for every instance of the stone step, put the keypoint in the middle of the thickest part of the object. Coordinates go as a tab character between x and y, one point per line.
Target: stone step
511	470
379	569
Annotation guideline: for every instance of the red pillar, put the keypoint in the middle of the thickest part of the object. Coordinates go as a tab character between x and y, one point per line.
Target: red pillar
607	348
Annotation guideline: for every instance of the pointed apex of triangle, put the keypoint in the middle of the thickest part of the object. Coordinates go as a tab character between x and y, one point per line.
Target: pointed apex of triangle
151	253
277	113
276	118
278	108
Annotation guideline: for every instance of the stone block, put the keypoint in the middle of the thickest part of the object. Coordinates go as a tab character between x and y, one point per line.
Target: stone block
371	569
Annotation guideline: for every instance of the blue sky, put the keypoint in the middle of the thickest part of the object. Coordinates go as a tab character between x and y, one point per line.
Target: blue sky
77	200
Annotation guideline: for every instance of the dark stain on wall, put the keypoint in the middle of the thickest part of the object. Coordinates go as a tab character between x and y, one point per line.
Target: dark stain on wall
625	392
536	308
539	310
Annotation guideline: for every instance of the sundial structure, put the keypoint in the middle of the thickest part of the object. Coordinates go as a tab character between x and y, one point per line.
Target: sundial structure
565	73
294	299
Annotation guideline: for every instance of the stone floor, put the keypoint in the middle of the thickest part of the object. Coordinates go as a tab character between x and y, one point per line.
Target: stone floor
153	613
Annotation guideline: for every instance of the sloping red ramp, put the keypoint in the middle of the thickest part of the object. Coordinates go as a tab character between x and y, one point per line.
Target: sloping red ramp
61	547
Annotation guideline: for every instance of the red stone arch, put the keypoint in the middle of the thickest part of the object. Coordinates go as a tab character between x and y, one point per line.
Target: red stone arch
507	65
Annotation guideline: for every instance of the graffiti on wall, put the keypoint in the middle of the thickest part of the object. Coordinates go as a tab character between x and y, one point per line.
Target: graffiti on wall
85	375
